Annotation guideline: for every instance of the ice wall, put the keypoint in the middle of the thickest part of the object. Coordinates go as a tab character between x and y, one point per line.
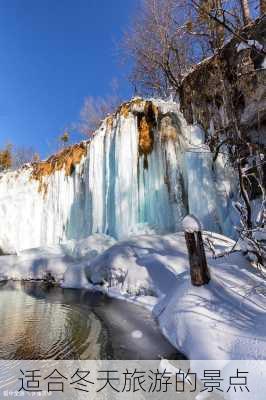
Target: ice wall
141	172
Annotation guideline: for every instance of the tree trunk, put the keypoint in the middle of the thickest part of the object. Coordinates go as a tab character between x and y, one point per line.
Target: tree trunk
245	197
245	11
262	7
219	31
199	271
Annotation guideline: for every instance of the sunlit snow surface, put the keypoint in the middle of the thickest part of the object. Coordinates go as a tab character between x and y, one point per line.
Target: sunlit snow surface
111	192
222	320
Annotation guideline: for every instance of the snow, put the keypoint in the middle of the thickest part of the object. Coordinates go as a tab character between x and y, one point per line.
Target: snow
153	200
227	316
89	247
191	224
59	260
222	320
249	44
137	334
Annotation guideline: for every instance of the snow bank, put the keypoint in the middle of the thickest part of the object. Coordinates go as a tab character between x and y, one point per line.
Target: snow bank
88	248
222	320
249	44
60	260
142	265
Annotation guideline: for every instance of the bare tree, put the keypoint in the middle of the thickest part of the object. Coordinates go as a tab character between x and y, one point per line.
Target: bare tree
245	11
14	157
64	138
214	30
154	45
229	20
36	157
252	232
169	36
262	7
22	155
93	111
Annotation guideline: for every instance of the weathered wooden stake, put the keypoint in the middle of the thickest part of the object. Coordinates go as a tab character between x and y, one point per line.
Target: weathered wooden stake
199	270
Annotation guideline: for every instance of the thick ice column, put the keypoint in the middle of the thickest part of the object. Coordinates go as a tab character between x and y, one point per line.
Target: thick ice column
201	189
96	182
155	208
112	180
208	198
177	194
226	181
20	211
126	176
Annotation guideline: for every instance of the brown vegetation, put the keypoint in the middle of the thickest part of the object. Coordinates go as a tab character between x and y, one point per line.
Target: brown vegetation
6	158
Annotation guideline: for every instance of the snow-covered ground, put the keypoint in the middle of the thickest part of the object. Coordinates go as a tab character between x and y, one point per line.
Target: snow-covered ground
223	320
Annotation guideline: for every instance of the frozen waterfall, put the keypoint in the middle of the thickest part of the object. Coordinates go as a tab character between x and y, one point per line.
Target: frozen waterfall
143	170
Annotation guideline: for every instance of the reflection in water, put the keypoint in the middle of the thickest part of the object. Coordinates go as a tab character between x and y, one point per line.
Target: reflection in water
37	322
35	328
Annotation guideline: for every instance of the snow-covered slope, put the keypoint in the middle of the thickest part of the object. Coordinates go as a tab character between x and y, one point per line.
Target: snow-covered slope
222	320
144	169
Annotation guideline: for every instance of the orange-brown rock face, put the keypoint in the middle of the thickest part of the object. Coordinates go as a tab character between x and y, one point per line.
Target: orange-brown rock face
65	160
146	123
145	137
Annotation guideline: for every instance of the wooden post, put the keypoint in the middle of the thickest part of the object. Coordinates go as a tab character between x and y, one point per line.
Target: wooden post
199	271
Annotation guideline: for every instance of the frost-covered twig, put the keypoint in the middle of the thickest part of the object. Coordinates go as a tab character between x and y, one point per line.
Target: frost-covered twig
209	244
254	238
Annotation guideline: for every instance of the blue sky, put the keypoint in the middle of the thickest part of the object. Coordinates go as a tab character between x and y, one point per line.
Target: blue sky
53	54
